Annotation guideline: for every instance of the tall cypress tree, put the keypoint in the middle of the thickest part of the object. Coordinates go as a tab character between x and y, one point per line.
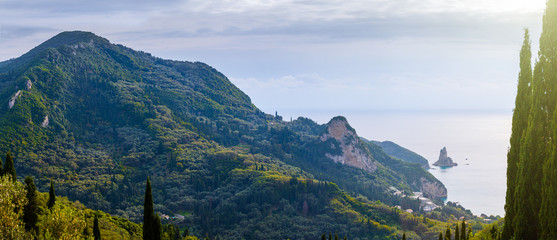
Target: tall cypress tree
440	236
548	44
456	233
404	236
51	196
1	168
9	168
520	124
448	234
157	228
463	230
533	151
148	213
30	210
96	229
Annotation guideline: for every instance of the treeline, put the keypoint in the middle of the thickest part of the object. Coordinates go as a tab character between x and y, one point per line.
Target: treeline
531	198
29	214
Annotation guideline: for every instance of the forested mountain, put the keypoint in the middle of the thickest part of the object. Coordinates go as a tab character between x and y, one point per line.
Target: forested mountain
101	118
531	201
402	153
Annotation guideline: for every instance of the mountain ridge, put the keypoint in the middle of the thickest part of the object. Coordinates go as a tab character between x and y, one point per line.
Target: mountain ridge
116	116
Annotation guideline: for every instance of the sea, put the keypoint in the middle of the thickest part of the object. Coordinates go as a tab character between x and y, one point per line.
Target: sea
477	141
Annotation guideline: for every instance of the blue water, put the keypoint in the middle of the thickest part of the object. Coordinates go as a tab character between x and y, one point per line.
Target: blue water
478	183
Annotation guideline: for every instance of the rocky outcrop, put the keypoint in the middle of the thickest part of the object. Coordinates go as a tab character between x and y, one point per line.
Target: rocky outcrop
444	159
351	153
433	189
11	103
45	122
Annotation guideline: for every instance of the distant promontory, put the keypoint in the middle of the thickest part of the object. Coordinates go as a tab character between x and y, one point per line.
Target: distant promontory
444	160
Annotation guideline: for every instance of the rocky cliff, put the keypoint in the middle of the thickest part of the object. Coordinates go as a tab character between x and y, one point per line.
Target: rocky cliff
444	159
351	152
432	189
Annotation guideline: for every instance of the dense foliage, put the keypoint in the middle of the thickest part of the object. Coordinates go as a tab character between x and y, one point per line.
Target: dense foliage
402	153
100	118
65	220
531	187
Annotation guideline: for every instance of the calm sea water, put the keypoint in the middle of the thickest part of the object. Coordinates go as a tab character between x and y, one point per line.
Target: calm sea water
477	141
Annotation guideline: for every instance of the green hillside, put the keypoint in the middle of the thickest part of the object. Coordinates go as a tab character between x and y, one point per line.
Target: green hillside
101	118
402	153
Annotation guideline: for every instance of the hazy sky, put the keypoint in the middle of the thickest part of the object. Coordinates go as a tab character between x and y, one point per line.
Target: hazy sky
408	55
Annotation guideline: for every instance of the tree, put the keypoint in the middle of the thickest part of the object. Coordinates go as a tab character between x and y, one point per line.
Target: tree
1	168
323	237
186	232
521	114
96	230
61	222
440	236
12	201
448	234
157	227
148	213
9	168
404	236
548	42
51	196
533	152
30	210
456	233
463	230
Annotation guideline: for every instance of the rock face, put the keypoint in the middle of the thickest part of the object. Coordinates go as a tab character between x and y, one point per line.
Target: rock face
11	103
351	153
434	189
444	160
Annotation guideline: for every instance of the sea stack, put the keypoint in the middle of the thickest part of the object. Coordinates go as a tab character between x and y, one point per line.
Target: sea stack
444	160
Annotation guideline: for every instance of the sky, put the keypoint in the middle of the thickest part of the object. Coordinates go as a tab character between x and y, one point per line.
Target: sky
292	56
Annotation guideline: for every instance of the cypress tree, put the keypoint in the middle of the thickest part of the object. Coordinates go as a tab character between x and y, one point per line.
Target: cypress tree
463	230
186	232
1	168
440	236
404	236
323	237
448	234
51	196
520	124
533	153
9	168
456	233
30	210
148	214
548	44
157	228
96	230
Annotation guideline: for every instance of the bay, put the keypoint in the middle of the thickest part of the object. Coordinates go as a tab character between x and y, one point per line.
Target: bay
477	140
